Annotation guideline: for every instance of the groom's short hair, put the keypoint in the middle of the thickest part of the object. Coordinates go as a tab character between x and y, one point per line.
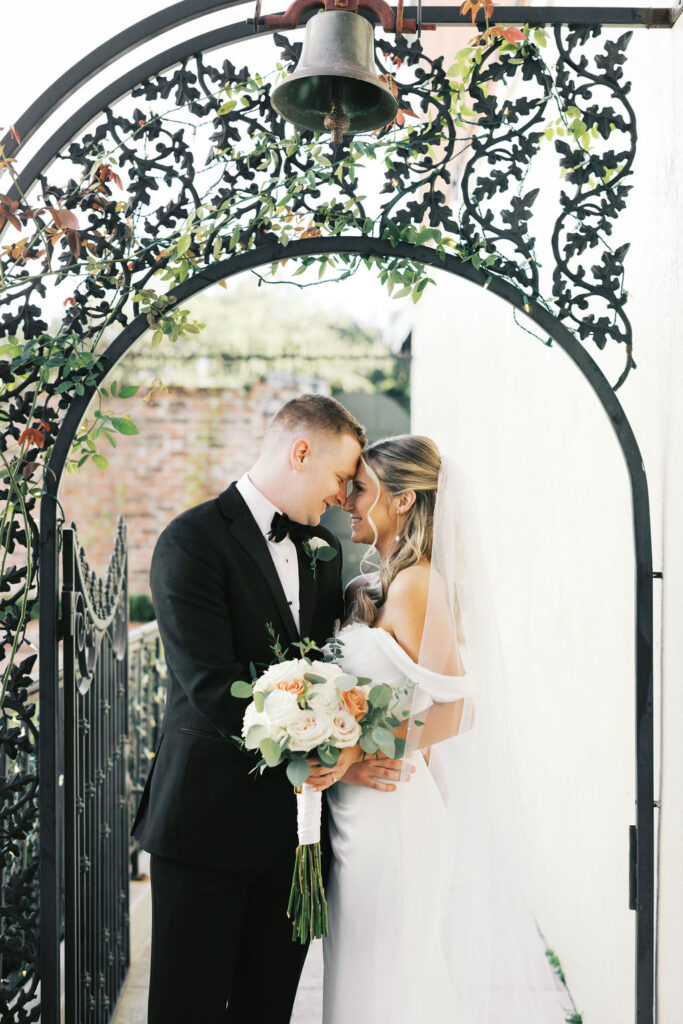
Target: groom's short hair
319	412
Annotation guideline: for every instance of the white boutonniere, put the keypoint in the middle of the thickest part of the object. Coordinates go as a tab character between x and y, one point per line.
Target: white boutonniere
318	550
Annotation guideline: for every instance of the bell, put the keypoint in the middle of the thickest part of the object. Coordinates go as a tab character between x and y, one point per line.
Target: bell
335	85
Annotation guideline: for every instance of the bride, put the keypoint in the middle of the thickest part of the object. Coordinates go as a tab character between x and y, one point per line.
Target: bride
428	920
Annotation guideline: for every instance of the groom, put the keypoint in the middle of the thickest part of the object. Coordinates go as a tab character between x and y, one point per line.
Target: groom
222	838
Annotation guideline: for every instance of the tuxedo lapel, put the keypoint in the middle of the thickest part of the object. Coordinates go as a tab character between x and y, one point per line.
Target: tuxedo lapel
307	591
244	530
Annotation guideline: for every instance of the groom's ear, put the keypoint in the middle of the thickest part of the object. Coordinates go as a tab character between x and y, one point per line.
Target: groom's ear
301	450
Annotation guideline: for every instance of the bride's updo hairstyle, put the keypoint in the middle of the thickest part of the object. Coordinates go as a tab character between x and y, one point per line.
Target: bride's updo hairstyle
407	462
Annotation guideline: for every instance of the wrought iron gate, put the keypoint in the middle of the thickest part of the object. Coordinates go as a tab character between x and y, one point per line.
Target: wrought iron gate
94	627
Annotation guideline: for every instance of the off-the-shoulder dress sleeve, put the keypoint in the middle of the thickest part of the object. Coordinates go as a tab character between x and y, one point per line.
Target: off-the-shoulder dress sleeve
438	687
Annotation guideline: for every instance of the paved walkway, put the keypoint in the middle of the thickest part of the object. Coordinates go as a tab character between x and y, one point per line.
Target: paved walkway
308	1009
132	1004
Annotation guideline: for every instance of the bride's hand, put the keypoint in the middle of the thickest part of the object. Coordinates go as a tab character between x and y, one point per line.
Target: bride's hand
324	775
383	773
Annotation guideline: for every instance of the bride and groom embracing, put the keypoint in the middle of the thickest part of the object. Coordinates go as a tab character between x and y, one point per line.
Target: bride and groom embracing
422	925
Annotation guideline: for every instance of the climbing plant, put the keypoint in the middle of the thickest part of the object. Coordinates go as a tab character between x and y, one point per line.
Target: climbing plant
195	168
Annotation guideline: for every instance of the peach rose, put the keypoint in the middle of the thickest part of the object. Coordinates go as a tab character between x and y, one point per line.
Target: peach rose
355	702
295	686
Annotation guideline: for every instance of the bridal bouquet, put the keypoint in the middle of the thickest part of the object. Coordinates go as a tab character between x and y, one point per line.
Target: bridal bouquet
300	709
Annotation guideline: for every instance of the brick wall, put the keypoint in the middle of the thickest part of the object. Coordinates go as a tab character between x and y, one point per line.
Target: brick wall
192	444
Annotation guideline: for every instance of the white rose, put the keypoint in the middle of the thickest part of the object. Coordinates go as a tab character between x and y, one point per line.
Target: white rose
280	707
345	729
317	542
327	669
324	698
308	729
281	671
252	717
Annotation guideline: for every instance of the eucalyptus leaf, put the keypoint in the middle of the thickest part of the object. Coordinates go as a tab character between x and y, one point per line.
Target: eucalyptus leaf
328	754
298	771
345	681
255	736
259	700
380	696
312	677
271	752
367	743
384	739
240	688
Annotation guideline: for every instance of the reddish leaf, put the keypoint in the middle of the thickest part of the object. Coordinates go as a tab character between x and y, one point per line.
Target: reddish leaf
64	219
33	436
73	239
15	134
70	301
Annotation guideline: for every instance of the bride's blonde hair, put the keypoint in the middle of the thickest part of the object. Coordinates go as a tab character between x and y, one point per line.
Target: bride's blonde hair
407	462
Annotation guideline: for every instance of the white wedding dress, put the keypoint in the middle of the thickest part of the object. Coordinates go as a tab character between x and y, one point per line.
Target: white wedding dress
393	850
394	968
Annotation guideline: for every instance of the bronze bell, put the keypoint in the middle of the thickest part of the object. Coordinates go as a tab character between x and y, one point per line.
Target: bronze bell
335	86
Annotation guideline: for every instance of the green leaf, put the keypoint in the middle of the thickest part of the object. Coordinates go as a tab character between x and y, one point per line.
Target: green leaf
123	425
129	391
271	752
345	681
363	681
384	740
259	700
399	746
367	743
325	554
240	688
100	461
252	670
311	677
217	247
183	244
380	696
328	754
298	771
255	736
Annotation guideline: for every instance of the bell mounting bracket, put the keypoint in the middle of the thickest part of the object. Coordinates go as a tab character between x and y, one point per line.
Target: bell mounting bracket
391	18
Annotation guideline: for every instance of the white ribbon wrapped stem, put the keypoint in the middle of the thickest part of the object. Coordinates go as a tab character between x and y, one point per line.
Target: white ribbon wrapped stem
309	804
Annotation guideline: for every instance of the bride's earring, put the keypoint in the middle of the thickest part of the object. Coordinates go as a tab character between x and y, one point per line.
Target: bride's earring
398	527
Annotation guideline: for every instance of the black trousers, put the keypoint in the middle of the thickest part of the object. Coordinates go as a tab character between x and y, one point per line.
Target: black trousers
222	937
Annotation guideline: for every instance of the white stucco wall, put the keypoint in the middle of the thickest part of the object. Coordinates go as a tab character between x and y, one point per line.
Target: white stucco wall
554	502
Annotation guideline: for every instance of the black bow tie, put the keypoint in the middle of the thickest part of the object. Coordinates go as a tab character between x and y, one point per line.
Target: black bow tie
282	526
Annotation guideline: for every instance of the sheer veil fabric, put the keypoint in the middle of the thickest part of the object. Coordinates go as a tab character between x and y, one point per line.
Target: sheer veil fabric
482	924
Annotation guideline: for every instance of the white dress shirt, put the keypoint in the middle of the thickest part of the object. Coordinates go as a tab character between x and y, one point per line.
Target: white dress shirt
283	552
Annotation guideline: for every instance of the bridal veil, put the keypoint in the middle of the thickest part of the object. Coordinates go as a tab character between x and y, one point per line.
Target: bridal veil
482	923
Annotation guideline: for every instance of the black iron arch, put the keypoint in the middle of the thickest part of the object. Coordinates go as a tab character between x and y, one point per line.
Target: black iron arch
642	853
514	279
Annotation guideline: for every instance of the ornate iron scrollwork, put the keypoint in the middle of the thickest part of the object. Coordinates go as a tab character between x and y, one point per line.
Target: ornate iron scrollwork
480	200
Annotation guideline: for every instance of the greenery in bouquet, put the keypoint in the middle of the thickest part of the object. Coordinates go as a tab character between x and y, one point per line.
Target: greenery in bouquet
300	708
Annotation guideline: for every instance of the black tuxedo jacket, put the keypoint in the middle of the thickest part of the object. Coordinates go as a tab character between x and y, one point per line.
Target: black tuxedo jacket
214	589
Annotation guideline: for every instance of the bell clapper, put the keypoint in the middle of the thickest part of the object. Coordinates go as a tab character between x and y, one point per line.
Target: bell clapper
337	119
